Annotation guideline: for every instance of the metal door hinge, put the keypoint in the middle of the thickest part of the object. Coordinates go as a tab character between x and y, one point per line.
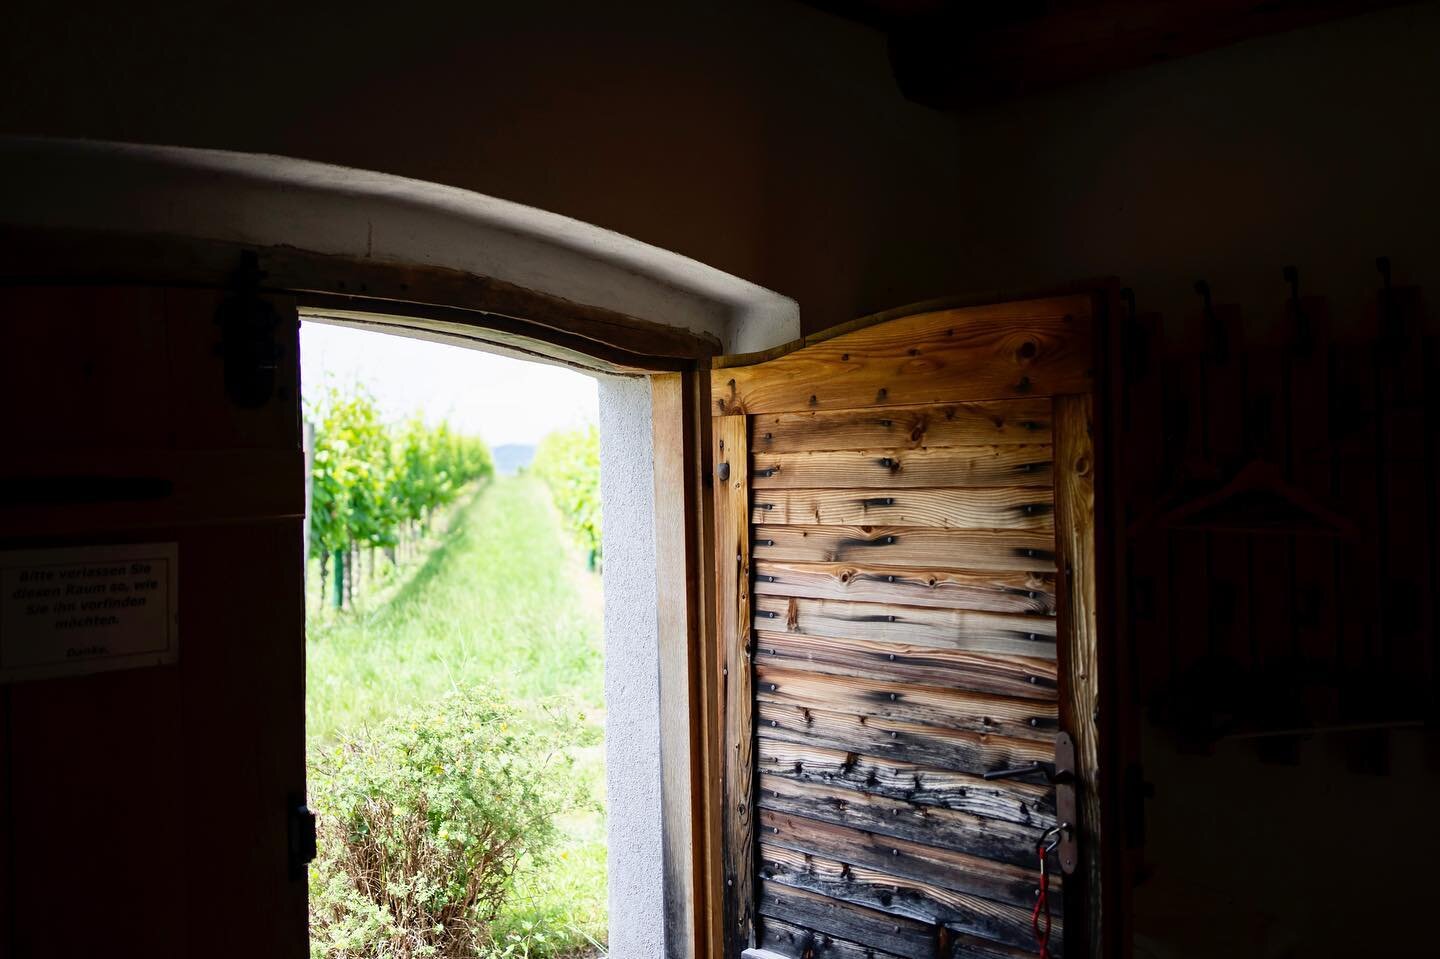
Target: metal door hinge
247	338
300	840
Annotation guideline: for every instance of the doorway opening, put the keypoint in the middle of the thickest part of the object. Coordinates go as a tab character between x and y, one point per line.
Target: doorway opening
455	689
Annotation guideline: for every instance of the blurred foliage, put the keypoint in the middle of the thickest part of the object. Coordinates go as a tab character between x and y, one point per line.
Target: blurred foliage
372	481
569	463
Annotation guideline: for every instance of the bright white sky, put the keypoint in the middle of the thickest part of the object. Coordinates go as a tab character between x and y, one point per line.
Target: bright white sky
496	398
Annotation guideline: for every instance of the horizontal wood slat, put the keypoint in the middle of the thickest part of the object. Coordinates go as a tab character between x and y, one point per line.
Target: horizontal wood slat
963	946
999	422
965	466
1010	800
950	708
984	507
902	896
1027	678
780	938
1008	550
893	934
973	753
943	868
1003	633
987	838
1015	350
993	590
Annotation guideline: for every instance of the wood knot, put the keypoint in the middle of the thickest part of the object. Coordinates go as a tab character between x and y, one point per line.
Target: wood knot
1027	350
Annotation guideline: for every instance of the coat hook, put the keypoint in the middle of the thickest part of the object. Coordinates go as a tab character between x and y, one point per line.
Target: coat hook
1218	346
1304	336
1135	348
1392	329
1202	287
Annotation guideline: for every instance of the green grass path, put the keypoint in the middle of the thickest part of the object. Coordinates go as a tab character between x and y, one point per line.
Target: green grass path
504	600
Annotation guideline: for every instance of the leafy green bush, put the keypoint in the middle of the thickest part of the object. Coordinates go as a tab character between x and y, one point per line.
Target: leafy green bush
569	463
423	825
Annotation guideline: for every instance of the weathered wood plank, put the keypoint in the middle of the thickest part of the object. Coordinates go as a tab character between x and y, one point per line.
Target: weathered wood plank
1141	485
901	896
1000	633
1405	494
794	942
1080	636
993	590
1310	454
904	858
1027	678
964	946
963	466
1008	550
1228	575
987	838
948	708
732	623
1272	609
1011	800
1000	422
893	934
985	507
972	753
1355	447
1012	350
677	495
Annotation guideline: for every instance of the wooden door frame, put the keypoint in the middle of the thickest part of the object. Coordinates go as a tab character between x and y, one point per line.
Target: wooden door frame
482	312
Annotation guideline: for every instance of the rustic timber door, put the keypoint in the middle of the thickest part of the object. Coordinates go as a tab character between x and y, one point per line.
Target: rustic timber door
906	602
152	770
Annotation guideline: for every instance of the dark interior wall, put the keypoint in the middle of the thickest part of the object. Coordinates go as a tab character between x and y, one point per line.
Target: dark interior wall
763	138
1314	148
767	139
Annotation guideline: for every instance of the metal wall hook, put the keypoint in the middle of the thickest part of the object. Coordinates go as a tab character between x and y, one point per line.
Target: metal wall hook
1392	329
1304	335
1135	352
1219	347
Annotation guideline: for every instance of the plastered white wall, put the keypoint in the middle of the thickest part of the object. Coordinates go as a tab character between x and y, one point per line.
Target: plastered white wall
632	671
322	208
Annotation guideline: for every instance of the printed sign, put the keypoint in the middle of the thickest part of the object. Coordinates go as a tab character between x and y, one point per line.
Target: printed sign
71	611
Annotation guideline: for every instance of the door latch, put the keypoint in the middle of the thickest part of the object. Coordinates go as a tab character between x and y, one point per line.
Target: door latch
1061	775
248	324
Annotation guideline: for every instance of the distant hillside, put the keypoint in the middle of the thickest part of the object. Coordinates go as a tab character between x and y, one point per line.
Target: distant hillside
512	457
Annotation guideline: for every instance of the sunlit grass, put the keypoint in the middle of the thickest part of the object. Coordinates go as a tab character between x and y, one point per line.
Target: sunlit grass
503	600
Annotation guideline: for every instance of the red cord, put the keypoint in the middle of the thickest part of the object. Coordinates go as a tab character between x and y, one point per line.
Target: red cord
1042	907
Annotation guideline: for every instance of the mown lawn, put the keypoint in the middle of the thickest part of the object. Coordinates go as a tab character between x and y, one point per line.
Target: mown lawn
504	599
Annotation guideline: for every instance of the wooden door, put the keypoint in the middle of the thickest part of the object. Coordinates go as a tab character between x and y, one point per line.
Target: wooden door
149	809
906	601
